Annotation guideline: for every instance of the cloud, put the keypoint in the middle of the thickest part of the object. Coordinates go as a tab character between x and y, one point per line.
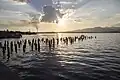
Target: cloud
15	6
11	10
86	12
99	12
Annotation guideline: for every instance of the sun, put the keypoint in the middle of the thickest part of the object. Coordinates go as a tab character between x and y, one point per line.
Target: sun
61	22
62	25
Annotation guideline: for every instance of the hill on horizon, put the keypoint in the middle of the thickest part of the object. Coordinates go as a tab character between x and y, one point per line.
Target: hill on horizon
99	29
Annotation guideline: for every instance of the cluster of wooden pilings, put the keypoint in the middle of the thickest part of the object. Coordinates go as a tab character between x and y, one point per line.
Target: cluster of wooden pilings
8	47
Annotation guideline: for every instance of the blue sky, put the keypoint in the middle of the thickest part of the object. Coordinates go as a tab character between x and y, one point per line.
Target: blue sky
86	13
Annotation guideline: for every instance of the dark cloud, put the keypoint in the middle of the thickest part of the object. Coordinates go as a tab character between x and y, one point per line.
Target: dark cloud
38	4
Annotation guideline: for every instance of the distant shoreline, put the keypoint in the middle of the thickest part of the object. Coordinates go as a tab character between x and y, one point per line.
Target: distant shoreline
74	32
30	33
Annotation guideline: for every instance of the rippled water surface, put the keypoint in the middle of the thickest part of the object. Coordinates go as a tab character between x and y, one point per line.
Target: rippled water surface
91	59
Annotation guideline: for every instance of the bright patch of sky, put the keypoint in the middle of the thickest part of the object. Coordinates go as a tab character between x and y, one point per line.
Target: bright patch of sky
99	12
14	10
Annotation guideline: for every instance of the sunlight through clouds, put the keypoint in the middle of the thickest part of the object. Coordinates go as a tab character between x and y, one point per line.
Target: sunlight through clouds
77	13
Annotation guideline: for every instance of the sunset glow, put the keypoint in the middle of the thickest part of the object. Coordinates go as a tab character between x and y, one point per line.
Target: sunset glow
61	22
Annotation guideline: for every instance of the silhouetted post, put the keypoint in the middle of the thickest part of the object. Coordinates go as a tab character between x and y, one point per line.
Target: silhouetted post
53	43
79	39
32	40
3	50
76	38
5	43
18	44
15	47
95	37
29	42
0	45
91	37
49	44
32	46
82	37
11	46
35	45
38	45
46	41
24	48
42	39
57	41
61	39
66	41
38	40
8	53
25	41
70	41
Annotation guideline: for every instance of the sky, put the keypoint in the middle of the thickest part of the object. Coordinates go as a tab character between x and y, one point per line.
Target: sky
79	14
